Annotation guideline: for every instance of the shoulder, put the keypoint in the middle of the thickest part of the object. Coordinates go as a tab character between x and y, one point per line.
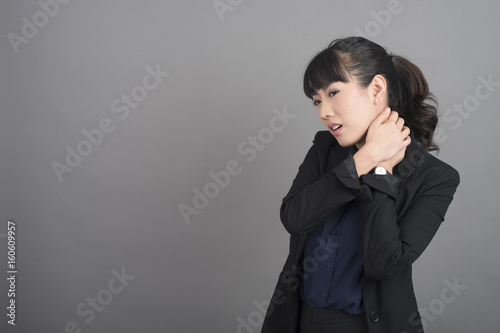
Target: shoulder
428	166
439	166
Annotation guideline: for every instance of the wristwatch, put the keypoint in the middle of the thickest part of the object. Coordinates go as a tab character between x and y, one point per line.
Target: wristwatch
380	171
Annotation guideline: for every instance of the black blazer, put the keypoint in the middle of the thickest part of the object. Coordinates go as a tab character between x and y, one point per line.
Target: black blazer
400	214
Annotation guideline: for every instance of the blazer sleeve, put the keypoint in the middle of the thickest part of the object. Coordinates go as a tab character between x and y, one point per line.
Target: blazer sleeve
314	195
390	243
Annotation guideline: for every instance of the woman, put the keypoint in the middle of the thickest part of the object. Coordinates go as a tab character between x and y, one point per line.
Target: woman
367	199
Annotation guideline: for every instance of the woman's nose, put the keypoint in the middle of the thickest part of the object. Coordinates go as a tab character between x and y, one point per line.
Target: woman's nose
326	111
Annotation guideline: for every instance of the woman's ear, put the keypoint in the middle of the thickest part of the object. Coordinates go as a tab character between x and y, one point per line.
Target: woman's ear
378	90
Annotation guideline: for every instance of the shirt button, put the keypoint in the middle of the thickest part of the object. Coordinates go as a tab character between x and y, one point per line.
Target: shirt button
323	294
336	233
329	264
374	316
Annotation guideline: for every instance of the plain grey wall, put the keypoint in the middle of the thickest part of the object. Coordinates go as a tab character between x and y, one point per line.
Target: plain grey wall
231	70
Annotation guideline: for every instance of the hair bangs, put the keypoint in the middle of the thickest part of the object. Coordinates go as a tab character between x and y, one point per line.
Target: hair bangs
324	69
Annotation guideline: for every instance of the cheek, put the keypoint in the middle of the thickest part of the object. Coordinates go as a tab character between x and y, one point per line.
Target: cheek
367	113
361	121
361	114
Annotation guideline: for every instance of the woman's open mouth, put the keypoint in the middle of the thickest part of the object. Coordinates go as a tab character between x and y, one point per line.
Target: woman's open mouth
335	128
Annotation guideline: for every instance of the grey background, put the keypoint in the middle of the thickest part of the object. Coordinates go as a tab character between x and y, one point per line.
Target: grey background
119	207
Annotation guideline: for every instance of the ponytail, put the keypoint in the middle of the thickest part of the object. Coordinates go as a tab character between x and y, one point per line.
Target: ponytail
414	100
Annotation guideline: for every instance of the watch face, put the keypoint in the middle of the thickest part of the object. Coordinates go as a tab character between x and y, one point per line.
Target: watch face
380	171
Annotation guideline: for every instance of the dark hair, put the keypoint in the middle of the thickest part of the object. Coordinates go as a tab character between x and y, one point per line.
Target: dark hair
408	92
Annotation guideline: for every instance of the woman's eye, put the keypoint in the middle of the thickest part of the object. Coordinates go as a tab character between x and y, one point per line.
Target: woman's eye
316	102
332	93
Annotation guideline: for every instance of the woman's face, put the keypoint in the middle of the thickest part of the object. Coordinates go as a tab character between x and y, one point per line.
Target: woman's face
347	110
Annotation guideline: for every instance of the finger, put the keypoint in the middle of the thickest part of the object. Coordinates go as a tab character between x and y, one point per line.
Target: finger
393	117
406	131
382	116
400	122
407	141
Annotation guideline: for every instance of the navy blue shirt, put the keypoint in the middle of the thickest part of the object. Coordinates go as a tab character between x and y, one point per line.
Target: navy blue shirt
333	267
